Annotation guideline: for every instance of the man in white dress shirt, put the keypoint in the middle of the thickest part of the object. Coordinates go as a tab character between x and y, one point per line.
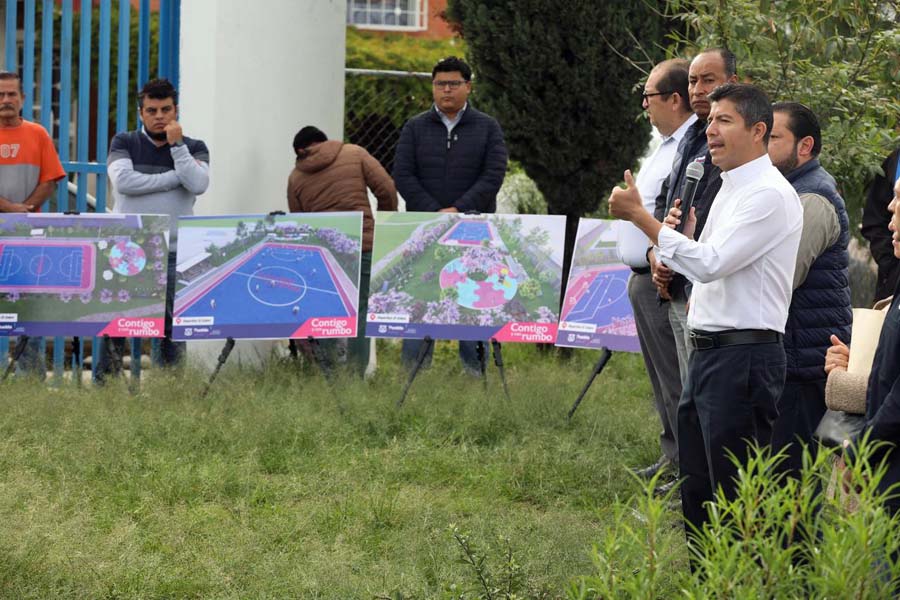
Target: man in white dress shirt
742	268
665	99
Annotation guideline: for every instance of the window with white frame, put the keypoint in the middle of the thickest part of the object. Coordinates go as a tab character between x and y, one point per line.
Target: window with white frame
408	15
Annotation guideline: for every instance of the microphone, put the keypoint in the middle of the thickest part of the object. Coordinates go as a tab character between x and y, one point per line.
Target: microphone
692	176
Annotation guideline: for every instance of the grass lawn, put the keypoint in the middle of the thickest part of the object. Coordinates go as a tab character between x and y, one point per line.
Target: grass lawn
279	485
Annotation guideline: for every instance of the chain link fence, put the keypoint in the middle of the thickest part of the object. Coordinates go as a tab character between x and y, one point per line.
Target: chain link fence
376	105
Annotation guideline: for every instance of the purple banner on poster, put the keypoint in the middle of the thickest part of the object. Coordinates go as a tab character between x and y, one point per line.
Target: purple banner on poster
83	275
466	277
268	277
596	312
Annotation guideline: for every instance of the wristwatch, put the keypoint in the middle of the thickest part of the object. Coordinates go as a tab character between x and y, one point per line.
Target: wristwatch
178	144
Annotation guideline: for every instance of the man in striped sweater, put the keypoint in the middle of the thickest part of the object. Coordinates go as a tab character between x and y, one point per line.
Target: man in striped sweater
157	170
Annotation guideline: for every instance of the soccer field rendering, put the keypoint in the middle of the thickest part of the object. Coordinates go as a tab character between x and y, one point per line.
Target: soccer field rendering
258	277
83	274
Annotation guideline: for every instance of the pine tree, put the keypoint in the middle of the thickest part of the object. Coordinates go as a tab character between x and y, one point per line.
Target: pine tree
562	82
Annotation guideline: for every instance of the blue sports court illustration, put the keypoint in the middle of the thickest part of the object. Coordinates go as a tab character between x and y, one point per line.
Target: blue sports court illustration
48	267
278	283
468	233
598	297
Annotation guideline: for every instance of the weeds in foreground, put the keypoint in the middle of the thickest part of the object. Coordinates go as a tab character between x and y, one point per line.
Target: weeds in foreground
779	537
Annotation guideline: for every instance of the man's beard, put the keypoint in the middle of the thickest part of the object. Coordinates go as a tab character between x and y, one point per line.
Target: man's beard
159	137
790	163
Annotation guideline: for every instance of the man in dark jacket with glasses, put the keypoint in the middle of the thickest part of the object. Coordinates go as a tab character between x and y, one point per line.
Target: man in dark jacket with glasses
451	158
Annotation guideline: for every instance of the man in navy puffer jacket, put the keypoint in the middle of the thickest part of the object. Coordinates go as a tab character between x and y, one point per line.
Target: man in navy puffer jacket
450	158
820	305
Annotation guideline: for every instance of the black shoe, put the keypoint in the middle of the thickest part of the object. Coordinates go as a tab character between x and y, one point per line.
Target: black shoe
662	490
663	464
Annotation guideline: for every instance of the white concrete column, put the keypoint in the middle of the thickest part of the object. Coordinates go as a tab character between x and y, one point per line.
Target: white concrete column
252	74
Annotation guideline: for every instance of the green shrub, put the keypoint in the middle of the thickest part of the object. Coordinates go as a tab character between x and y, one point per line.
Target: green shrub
780	537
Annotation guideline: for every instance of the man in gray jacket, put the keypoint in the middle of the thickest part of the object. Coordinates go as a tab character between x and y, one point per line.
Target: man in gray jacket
157	170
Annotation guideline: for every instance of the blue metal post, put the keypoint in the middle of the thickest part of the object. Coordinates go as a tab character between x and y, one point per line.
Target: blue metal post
65	98
103	73
174	47
143	47
143	44
28	61
122	107
165	28
11	36
47	66
65	111
84	104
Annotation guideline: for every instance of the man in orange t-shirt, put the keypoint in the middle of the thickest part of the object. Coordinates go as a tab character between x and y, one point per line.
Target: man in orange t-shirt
29	166
29	171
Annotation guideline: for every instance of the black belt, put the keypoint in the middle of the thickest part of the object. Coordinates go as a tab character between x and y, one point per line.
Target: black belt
640	270
706	340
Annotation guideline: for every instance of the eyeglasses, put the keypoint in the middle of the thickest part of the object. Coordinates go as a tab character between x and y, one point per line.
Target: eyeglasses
645	95
453	84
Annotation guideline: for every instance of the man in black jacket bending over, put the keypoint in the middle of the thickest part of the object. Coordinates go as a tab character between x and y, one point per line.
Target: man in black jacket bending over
450	158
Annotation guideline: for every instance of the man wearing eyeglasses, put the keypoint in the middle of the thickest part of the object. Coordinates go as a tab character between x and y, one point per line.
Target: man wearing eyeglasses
665	98
709	69
451	158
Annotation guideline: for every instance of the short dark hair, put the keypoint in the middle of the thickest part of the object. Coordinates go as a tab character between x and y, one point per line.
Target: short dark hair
728	58
674	78
750	102
158	89
308	136
802	123
12	76
451	64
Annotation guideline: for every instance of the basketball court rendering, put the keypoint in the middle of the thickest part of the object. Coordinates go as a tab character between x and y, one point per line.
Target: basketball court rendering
596	311
471	233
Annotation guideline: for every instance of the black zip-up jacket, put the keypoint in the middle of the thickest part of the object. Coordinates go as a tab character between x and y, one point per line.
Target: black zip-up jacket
463	169
875	226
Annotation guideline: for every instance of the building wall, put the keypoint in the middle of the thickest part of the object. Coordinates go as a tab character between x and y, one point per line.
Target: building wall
437	26
250	78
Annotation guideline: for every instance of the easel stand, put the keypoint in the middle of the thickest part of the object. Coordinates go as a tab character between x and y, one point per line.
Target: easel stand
78	359
420	360
20	348
481	353
604	358
498	360
223	357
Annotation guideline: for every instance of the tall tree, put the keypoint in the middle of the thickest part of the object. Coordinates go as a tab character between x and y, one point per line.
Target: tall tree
838	57
565	96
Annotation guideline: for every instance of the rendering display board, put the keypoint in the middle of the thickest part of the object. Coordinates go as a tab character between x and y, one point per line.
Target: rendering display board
596	312
82	275
466	277
268	277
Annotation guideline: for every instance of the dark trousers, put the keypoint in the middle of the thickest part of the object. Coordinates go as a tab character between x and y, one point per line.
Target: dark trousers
32	362
800	408
169	354
728	403
468	355
660	357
